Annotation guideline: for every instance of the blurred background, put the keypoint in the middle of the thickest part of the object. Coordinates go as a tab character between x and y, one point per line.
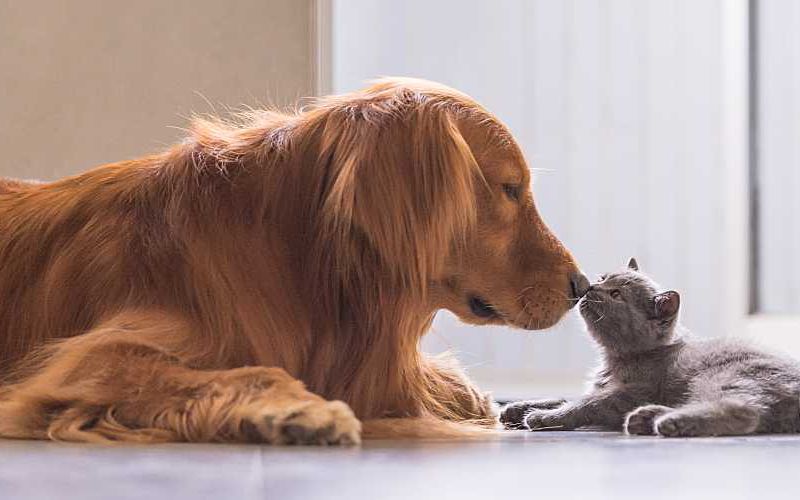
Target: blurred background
665	130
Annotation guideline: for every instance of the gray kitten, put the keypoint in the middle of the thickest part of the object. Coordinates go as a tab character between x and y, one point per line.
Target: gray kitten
654	379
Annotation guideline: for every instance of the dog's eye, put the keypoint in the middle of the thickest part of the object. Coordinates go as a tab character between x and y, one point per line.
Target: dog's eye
511	191
616	294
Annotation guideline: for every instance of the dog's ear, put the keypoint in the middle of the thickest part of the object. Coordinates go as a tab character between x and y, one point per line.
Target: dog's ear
401	181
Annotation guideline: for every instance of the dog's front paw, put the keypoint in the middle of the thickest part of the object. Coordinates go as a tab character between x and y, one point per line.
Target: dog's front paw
641	421
547	420
312	422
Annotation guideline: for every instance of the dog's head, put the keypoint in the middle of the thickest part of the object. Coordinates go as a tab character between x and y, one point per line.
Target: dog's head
425	181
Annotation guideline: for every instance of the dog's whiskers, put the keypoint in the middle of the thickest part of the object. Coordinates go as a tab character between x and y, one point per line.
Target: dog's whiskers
522	292
561	292
523	310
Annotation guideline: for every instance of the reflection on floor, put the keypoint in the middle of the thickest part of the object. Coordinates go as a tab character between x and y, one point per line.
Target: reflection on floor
519	465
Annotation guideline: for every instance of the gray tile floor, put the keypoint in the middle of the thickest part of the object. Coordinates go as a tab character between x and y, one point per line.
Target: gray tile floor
579	465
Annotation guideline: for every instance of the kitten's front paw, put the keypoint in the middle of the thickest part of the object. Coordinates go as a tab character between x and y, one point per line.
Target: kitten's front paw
546	420
512	416
679	425
641	421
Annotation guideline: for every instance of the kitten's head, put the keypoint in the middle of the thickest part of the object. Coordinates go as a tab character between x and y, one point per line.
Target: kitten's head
625	312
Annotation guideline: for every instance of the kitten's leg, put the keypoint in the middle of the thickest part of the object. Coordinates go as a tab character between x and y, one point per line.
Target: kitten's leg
641	421
512	416
719	418
606	410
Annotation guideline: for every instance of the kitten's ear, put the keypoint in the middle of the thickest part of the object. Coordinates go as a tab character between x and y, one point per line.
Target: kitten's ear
667	304
632	264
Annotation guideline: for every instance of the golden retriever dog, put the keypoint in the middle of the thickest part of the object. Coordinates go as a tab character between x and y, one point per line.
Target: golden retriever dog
269	280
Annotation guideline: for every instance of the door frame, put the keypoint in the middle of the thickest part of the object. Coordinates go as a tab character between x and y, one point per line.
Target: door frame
781	332
322	46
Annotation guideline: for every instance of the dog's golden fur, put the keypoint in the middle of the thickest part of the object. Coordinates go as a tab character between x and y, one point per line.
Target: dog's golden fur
185	295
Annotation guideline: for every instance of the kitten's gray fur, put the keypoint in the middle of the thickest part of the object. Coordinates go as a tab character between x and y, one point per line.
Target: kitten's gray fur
654	379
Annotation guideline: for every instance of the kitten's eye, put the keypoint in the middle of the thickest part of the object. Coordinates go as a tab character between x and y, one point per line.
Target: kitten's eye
512	191
615	294
602	277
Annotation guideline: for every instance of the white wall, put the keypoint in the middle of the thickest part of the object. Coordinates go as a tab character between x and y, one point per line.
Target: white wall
619	106
92	81
779	155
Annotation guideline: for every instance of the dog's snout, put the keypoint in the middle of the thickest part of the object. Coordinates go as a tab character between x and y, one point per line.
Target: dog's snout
579	285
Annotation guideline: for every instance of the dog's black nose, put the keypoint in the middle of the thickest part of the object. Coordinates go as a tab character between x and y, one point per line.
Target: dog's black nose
579	285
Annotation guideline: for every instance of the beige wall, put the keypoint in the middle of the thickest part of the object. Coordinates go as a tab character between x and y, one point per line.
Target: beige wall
86	82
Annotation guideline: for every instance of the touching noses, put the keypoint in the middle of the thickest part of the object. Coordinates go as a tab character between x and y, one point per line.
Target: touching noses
579	285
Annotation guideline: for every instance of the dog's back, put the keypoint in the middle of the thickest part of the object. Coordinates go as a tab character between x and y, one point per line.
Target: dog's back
15	185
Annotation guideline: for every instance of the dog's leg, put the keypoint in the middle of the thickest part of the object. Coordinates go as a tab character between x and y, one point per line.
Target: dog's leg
128	380
453	396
